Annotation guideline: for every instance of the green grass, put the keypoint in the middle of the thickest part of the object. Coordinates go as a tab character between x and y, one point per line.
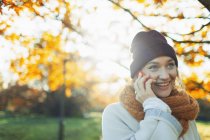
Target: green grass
42	128
204	130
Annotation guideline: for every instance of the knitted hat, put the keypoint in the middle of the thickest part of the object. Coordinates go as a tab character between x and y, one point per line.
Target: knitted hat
147	46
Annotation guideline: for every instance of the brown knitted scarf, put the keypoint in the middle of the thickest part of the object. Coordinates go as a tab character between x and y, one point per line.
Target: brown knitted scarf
183	106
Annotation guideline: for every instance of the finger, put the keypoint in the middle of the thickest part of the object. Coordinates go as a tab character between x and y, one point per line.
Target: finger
138	98
148	85
136	87
143	81
139	84
140	74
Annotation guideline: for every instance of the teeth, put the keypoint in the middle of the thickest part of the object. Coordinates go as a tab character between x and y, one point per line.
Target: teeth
164	84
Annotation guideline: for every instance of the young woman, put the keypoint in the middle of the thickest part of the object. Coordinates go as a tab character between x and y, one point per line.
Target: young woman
153	106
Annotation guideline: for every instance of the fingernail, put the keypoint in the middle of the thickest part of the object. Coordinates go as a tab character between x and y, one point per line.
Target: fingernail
140	74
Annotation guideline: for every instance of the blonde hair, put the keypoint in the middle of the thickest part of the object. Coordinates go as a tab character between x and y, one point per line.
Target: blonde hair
179	85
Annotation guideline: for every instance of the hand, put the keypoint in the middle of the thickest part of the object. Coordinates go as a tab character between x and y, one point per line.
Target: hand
143	88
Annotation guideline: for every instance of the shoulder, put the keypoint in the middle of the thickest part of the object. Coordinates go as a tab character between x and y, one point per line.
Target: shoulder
112	108
116	111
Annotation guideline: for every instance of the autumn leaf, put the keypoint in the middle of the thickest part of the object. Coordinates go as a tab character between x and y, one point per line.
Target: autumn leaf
18	9
1	11
203	34
140	1
201	51
68	92
12	37
198	93
7	2
159	1
180	16
179	49
206	85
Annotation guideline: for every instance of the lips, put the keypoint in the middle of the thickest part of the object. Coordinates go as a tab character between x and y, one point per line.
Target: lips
164	85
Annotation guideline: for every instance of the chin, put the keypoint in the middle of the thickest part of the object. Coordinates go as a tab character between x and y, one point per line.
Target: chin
162	94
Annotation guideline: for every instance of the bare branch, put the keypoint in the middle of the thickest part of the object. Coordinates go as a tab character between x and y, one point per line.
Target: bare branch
164	33
188	41
175	17
128	11
190	33
187	53
200	86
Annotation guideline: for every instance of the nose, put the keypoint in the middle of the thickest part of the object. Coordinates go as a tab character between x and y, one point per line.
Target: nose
164	74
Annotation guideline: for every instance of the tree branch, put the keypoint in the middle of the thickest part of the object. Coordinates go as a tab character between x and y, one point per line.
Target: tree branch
188	41
190	33
129	12
175	17
200	85
187	53
164	33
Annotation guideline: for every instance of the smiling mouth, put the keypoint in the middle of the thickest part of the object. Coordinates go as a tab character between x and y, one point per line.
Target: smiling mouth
164	85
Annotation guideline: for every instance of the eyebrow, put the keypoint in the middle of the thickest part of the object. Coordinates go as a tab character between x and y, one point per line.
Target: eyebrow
153	62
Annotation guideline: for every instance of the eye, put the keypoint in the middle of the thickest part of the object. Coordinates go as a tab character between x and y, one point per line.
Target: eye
153	67
171	65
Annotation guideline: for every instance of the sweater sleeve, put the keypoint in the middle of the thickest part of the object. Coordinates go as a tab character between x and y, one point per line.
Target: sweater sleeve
153	127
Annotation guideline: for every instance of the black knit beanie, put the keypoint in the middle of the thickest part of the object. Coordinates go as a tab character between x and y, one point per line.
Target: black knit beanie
147	46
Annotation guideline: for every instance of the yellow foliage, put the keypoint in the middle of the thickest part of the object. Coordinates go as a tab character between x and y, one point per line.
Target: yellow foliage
116	7
198	93
193	28
180	16
179	48
25	4
193	77
48	57
68	92
201	51
191	85
13	37
160	1
208	98
206	85
7	2
203	34
140	1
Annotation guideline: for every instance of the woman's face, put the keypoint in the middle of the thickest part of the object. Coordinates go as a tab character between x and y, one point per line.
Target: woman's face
164	71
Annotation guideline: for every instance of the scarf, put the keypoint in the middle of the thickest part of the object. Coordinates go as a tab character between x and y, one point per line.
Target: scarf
183	106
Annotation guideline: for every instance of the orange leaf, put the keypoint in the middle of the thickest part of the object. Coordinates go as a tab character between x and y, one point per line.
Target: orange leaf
207	85
160	1
7	2
204	33
140	1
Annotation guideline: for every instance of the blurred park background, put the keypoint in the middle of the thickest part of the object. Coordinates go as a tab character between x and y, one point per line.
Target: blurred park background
63	61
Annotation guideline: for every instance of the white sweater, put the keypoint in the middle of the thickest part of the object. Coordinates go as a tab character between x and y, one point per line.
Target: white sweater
118	124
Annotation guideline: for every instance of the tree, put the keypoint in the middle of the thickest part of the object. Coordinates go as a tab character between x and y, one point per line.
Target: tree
190	43
43	60
192	51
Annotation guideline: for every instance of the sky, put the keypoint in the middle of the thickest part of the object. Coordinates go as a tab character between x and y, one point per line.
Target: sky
107	34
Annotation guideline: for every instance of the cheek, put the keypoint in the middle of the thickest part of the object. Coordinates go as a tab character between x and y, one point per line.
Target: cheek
151	74
173	74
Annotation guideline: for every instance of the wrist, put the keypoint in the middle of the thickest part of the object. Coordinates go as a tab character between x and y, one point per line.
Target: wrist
156	103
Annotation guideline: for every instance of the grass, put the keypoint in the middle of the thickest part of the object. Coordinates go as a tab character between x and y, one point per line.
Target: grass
204	130
43	128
